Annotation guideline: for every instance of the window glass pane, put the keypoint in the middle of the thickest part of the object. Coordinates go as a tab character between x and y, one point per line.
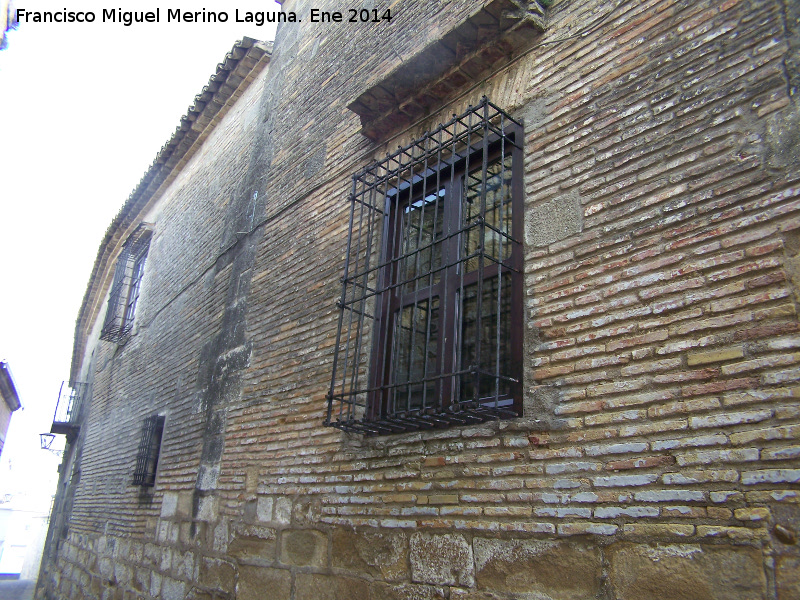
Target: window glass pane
498	212
495	332
421	247
416	348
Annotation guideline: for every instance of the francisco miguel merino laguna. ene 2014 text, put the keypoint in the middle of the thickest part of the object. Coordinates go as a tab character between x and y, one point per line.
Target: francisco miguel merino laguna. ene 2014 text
176	15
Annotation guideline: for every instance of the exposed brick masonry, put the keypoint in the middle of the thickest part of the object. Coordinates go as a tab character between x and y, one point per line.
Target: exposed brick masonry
658	452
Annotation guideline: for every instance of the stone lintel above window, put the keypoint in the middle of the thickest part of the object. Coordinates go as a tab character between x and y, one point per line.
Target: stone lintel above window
490	38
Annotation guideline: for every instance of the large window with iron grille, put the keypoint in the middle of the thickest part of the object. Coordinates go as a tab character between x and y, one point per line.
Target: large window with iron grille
430	329
126	286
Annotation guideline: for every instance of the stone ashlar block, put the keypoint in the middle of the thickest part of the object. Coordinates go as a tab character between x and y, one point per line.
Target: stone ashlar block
382	555
466	594
255	581
264	506
554	220
172	589
787	576
329	587
195	594
441	560
218	574
407	591
686	571
283	511
249	547
169	505
556	570
304	547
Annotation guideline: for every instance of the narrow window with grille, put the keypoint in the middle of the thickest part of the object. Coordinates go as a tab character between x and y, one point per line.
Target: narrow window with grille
430	329
149	450
126	286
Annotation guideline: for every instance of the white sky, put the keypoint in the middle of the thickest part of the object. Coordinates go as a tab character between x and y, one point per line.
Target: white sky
84	109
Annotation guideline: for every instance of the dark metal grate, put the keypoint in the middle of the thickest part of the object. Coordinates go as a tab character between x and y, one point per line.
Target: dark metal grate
149	448
126	286
68	408
429	331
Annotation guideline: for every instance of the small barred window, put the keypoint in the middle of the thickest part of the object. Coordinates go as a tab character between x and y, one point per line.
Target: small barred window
149	450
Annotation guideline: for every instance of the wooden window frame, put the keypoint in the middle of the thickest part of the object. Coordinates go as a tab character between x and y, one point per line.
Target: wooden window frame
449	290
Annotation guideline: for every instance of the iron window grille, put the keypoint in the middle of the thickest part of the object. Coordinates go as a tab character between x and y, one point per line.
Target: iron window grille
126	287
429	331
149	450
66	419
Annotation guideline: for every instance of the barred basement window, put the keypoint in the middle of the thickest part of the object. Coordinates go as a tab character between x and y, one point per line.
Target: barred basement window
149	449
430	328
126	287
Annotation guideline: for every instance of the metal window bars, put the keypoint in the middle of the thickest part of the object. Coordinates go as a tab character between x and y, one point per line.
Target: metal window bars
66	419
149	448
126	285
429	330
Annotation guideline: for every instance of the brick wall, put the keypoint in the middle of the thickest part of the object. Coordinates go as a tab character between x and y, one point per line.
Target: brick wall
657	452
